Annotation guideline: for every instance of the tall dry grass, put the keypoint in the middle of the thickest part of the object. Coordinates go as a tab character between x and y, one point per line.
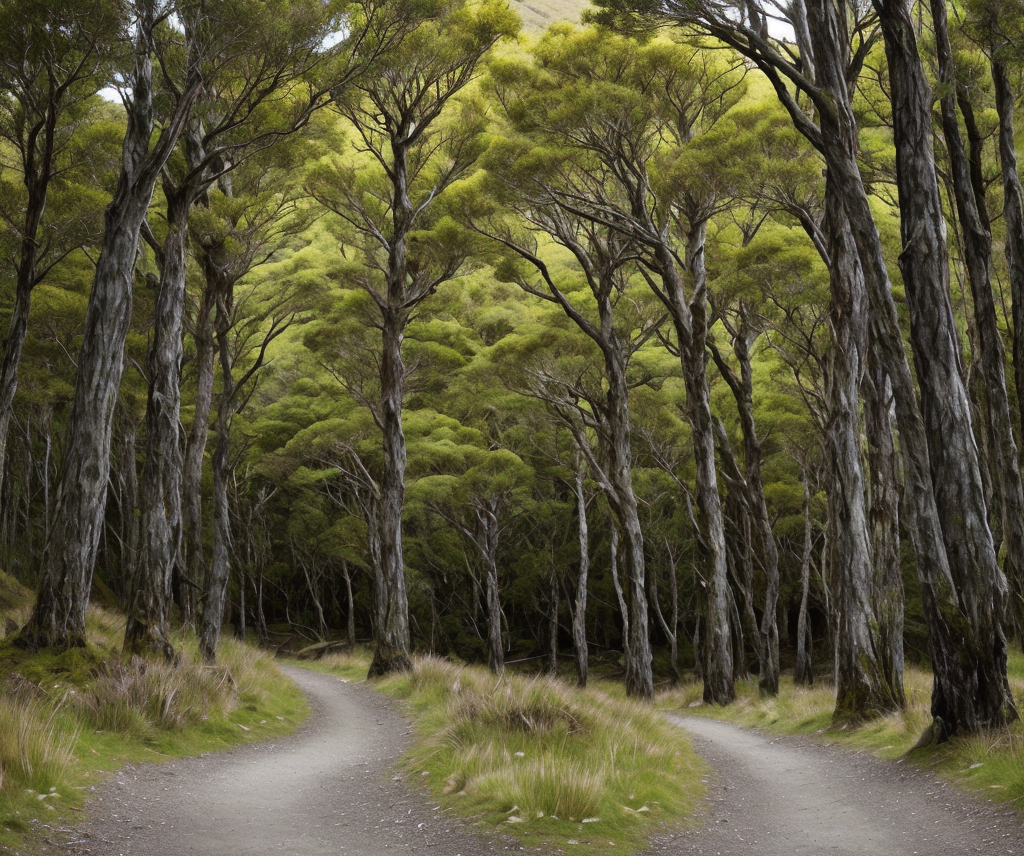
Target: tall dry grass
544	760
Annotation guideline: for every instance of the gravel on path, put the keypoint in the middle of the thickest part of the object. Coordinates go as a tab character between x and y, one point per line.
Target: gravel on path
795	797
329	789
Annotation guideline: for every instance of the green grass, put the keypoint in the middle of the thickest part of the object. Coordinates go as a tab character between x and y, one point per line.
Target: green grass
538	760
992	763
68	720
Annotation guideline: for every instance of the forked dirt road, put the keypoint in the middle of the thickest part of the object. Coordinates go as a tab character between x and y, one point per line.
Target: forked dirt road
330	790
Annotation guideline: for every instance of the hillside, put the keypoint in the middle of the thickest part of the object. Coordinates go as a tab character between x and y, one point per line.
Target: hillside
538	14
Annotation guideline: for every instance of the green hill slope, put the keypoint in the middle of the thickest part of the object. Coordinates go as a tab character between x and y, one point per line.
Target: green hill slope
538	14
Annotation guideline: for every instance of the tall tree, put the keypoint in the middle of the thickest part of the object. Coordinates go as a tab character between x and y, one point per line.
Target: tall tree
397	113
58	617
51	64
959	596
245	108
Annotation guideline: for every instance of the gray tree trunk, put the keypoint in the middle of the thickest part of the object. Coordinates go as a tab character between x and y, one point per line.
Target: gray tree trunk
194	572
1013	217
148	628
862	685
690	321
981	698
887	594
392	642
803	674
58	617
579	613
216	588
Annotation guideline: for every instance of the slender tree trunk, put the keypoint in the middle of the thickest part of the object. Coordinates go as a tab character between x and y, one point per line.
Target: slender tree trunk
690	322
392	644
863	688
58	618
887	594
194	573
487	544
216	589
554	602
639	677
579	613
350	619
982	698
803	674
1013	217
148	628
670	627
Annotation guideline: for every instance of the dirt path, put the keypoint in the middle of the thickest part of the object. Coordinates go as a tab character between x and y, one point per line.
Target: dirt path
329	789
324	790
791	797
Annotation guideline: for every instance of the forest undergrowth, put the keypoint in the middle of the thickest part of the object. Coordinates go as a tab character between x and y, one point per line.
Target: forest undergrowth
68	720
538	759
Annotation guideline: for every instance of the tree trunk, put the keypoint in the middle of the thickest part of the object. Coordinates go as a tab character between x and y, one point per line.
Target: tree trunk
350	619
554	602
981	697
639	677
148	628
862	685
392	644
690	322
216	589
1007	464
887	594
579	613
803	674
487	544
194	573
58	618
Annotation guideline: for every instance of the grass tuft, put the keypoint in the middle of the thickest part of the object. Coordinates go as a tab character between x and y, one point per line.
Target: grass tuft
537	759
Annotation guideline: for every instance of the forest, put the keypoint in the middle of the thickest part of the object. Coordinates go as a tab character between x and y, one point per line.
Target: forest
685	339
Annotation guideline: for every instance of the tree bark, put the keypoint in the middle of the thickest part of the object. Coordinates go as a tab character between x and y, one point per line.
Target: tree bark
690	322
579	613
58	617
1013	217
863	688
803	674
981	697
392	643
216	588
148	628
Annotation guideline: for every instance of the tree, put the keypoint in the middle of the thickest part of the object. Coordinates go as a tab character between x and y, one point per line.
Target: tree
51	65
396	112
958	595
58	617
245	109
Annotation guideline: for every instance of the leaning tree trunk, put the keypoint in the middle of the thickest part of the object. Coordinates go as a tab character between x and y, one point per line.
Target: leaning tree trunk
391	643
148	628
983	697
58	617
579	613
1013	216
